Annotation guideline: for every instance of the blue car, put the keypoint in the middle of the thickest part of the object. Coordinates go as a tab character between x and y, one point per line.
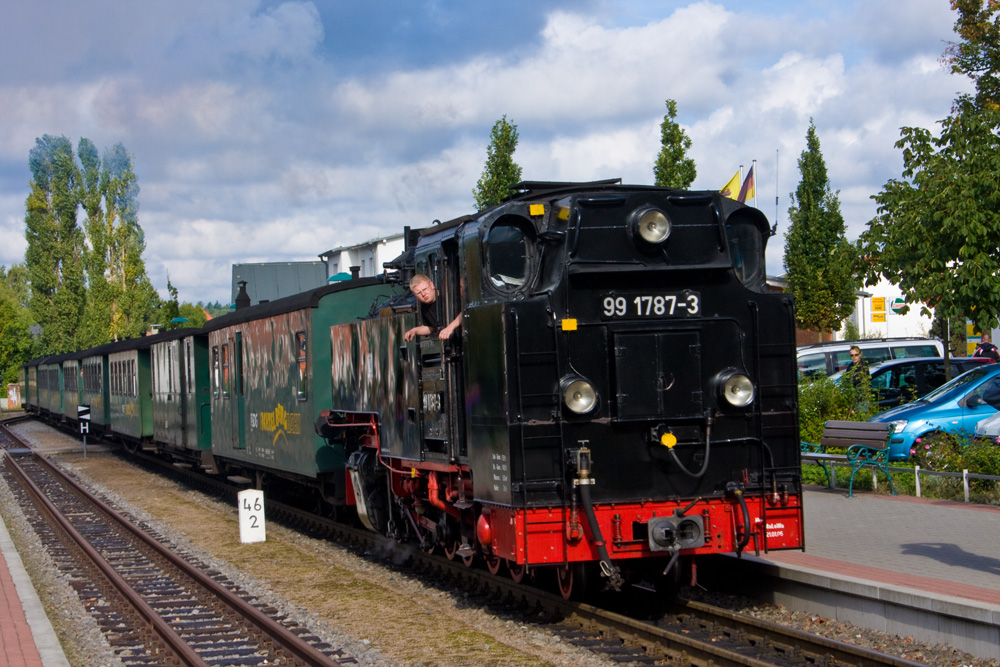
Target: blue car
954	407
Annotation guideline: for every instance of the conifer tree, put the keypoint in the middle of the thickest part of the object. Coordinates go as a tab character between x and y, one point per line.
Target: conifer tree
500	172
673	169
819	261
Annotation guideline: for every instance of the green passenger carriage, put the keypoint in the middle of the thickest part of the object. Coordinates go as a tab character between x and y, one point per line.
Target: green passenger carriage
269	381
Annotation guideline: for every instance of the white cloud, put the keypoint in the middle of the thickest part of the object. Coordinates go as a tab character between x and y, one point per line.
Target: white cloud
249	145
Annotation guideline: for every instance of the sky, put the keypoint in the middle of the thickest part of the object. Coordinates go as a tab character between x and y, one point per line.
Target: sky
272	131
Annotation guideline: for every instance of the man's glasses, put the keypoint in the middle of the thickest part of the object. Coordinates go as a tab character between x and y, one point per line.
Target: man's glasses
855	355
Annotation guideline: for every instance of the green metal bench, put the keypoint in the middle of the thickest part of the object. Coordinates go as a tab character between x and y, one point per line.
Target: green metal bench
867	444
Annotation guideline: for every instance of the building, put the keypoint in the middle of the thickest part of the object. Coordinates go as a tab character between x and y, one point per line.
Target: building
274	280
368	256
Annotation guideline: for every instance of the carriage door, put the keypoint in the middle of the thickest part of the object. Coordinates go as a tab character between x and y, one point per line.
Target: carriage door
239	395
441	369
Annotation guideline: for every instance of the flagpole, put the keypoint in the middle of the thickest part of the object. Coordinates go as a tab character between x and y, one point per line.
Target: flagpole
775	186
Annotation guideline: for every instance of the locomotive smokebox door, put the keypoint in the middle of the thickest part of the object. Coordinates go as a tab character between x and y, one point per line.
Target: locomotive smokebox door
658	374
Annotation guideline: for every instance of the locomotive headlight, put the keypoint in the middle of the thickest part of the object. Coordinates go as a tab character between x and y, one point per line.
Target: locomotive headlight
737	389
651	224
578	395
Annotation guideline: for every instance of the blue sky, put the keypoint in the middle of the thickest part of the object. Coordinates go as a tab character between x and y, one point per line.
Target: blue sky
274	131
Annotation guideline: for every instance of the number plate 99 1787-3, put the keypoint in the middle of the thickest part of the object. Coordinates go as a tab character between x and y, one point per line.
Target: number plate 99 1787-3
681	304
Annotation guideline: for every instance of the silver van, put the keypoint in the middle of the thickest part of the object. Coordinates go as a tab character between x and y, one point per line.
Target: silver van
829	358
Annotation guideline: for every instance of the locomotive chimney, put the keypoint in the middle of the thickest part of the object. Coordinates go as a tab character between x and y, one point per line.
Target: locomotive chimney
242	298
355	272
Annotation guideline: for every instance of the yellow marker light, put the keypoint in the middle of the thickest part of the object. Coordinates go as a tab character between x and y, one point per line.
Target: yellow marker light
668	440
536	209
568	324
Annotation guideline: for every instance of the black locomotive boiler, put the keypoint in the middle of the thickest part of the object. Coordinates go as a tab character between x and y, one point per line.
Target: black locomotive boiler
622	392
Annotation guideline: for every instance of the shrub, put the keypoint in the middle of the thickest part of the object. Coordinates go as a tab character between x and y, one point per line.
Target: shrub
821	399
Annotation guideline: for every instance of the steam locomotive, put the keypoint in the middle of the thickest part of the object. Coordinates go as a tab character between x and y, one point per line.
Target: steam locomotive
621	397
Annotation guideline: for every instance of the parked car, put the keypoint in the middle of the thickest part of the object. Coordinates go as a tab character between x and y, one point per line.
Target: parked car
829	358
900	381
989	428
954	407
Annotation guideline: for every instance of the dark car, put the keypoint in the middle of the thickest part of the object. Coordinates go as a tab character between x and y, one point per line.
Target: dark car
900	381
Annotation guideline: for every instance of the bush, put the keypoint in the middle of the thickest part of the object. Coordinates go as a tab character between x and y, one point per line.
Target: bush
821	399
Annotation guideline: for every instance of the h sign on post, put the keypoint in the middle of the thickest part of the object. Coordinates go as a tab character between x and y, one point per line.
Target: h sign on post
83	416
251	510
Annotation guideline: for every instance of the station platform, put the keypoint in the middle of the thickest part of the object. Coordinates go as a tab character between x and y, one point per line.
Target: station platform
907	566
27	638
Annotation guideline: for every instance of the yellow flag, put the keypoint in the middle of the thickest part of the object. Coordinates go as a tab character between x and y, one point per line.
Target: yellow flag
732	188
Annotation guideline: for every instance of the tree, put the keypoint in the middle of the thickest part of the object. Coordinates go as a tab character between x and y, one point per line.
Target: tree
133	298
170	309
54	256
819	262
85	288
936	229
97	313
500	172
673	169
16	341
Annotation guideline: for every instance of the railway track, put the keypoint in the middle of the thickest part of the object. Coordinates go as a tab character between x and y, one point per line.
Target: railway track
686	633
154	607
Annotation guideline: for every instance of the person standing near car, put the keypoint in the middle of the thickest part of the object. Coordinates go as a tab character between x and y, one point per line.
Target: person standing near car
857	371
987	349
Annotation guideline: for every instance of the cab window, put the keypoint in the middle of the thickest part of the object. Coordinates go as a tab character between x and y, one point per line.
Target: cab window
746	249
508	254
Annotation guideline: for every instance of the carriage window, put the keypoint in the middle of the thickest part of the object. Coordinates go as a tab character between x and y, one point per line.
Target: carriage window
746	250
300	357
189	361
225	371
215	371
507	255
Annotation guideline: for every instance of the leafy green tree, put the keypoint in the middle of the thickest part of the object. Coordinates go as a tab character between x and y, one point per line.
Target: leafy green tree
500	172
16	342
54	256
673	169
936	229
16	280
171	309
819	262
194	315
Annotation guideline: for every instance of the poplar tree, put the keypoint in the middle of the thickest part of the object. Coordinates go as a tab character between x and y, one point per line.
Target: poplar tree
500	172
85	288
673	169
819	262
54	256
133	298
97	313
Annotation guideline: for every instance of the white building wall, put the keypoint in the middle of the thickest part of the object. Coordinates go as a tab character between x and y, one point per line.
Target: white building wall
894	325
370	256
